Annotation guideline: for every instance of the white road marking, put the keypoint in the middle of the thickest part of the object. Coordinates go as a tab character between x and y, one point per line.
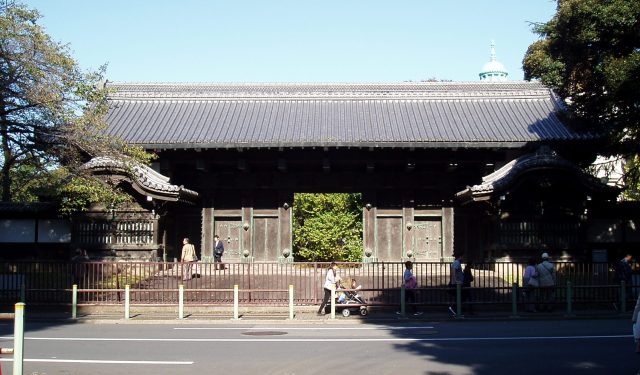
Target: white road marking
333	339
299	328
100	361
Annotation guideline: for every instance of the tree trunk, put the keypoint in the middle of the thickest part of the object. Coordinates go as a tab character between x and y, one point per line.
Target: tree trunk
7	157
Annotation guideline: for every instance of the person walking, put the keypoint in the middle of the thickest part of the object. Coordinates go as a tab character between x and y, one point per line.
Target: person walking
218	251
410	284
79	265
187	258
330	281
530	285
467	279
624	272
456	277
636	325
547	281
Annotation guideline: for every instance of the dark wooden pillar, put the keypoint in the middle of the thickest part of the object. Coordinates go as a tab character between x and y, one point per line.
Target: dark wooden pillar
285	216
447	232
157	236
247	224
407	224
369	226
207	232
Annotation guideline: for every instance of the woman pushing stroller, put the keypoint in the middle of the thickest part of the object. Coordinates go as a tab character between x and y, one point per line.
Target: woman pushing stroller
330	283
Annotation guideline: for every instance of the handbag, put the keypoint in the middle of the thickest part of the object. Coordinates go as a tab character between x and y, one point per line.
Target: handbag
412	283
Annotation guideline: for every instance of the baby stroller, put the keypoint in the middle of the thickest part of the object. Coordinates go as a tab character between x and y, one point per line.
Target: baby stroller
346	297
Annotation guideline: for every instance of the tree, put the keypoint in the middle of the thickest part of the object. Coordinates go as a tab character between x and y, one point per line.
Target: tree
51	116
327	227
589	52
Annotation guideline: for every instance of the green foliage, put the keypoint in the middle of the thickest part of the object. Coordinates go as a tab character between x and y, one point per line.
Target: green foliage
590	54
26	184
80	192
73	193
632	173
51	117
327	227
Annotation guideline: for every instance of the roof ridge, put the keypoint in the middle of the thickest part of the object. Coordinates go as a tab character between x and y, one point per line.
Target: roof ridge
320	84
334	90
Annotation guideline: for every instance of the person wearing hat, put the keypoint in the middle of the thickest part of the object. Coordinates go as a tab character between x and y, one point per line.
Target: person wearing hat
547	282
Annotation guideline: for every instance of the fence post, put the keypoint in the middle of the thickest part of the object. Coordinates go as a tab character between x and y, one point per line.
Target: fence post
403	305
458	299
290	302
514	300
623	296
181	301
127	301
74	301
117	281
333	303
18	339
23	292
569	299
236	314
383	268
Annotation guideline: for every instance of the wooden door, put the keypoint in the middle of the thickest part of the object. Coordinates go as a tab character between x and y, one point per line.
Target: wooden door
265	238
230	231
389	238
427	239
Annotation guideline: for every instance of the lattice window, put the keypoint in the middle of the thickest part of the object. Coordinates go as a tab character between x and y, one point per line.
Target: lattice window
122	232
527	234
93	233
134	232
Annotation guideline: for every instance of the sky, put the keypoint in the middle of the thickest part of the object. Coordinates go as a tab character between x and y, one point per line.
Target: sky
293	41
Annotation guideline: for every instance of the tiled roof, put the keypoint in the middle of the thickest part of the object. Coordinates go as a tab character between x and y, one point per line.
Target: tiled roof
474	114
543	158
143	178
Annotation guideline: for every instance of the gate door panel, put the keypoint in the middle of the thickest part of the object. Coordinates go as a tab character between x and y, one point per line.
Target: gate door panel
389	238
265	238
230	231
427	239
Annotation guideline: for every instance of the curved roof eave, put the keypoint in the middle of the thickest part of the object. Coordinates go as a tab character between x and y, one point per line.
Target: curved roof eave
544	158
143	179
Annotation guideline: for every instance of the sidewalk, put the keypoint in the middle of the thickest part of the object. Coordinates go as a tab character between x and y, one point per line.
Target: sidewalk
280	315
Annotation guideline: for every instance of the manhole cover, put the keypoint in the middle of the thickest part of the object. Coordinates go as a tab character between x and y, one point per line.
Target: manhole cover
264	333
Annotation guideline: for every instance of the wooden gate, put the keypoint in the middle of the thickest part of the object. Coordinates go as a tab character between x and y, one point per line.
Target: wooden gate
427	239
265	238
389	238
230	231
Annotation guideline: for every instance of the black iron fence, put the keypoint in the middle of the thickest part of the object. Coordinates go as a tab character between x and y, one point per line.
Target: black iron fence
50	283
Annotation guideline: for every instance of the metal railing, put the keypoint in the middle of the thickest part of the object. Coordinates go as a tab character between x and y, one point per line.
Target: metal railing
157	282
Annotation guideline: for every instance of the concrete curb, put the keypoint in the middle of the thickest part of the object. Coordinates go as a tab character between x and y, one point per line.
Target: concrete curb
254	317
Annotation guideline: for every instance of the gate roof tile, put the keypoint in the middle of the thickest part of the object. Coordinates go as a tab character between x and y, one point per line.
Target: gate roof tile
425	114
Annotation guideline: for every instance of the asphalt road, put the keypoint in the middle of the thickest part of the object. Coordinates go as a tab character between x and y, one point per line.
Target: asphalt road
459	347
